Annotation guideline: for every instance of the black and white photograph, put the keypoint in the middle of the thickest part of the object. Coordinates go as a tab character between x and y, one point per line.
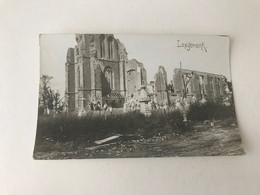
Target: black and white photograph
128	96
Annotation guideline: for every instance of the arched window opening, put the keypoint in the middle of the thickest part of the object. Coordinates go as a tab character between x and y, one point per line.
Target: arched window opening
102	46
218	85
110	48
78	77
201	85
109	76
84	103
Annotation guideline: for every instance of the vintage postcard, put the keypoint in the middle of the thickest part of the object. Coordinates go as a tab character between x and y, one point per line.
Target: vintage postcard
118	96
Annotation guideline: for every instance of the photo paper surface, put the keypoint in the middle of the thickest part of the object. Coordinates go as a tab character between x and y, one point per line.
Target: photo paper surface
120	96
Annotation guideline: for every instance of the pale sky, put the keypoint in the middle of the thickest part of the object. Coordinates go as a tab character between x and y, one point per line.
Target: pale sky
151	50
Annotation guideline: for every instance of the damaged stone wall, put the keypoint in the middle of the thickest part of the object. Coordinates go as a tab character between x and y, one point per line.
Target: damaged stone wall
98	70
160	87
70	80
199	85
135	78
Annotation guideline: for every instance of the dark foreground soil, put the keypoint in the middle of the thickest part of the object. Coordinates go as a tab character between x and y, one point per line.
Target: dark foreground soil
205	139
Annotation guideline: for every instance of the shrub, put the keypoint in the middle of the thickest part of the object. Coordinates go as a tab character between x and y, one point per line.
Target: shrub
175	120
209	111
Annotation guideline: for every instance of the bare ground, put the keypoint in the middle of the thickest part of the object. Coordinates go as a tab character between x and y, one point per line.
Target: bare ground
206	139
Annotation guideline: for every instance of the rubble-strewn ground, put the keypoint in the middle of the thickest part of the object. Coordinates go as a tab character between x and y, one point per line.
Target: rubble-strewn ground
206	139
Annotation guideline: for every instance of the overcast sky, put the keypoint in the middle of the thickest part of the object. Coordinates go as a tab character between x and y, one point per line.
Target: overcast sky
151	50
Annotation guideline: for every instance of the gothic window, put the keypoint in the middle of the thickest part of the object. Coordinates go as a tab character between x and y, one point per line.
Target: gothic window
78	77
115	47
131	74
131	81
211	83
201	84
109	76
218	85
110	48
142	80
187	83
102	46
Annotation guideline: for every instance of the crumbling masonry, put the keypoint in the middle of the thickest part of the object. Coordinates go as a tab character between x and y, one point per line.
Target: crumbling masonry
160	86
98	71
199	85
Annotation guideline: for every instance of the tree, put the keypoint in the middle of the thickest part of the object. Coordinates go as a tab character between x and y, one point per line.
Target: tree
48	98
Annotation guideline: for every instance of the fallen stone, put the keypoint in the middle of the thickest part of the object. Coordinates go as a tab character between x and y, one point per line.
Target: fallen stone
107	139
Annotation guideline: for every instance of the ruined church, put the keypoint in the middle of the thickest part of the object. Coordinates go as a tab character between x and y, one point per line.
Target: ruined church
98	70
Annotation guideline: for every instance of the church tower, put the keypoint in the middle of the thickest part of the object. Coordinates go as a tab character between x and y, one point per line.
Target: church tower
95	71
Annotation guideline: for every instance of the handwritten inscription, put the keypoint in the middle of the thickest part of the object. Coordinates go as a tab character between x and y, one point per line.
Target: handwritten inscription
189	45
